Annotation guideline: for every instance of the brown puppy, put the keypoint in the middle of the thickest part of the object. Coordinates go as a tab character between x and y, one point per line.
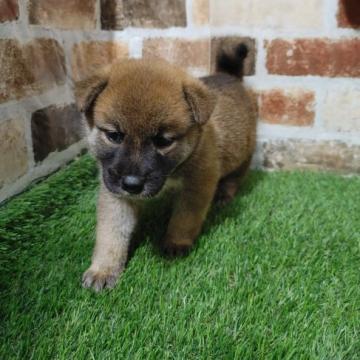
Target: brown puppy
151	126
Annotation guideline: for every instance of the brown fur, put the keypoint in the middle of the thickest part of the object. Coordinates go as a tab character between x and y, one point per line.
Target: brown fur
216	119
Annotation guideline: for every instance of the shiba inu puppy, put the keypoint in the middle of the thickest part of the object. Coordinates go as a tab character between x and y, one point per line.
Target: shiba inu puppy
149	124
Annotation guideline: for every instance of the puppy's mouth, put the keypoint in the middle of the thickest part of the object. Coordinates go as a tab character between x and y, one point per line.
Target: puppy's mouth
148	189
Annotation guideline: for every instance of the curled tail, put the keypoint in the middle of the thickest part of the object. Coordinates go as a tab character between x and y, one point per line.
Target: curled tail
232	62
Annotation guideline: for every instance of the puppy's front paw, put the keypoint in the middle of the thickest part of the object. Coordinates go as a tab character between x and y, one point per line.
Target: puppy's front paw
100	279
172	249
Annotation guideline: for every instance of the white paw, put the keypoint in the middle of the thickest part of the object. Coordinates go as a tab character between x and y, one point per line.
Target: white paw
100	279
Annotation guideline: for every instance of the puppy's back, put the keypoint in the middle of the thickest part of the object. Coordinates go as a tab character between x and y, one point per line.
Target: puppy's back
234	117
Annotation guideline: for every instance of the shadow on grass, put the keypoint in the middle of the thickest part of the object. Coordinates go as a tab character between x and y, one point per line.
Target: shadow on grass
23	221
153	224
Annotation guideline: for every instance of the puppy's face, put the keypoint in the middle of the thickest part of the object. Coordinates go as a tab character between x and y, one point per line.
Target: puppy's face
145	120
139	148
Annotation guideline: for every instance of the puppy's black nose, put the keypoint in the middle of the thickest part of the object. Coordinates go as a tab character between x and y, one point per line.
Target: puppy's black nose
133	184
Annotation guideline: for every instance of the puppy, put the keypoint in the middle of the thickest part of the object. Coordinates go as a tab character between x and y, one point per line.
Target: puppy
151	125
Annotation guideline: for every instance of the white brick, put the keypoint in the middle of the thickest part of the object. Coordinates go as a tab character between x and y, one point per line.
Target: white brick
341	110
282	14
200	12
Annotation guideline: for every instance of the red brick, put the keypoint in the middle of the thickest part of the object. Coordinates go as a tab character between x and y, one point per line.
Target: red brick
322	57
64	14
349	14
31	68
47	61
184	53
9	10
87	57
295	107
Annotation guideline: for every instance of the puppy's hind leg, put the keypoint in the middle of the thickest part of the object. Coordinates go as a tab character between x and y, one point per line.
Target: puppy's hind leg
229	185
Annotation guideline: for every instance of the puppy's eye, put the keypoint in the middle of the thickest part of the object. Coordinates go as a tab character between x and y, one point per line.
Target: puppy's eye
162	142
115	136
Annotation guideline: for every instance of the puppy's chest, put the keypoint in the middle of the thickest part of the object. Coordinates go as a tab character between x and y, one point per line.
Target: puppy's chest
166	195
171	185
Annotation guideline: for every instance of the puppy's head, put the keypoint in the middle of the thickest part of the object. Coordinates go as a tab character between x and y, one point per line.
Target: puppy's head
145	119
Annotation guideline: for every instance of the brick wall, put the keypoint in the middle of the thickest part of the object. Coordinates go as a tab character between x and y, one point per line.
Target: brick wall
304	65
307	77
47	44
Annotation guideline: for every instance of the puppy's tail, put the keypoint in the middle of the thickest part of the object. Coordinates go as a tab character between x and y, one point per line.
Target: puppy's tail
232	62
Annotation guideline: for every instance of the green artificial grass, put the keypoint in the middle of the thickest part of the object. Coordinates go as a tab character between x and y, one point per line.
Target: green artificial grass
275	275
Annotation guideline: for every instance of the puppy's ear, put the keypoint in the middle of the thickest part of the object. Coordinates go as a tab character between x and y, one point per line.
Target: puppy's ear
88	90
200	100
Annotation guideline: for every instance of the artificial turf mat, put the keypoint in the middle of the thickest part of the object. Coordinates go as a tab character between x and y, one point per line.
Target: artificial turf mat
275	275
